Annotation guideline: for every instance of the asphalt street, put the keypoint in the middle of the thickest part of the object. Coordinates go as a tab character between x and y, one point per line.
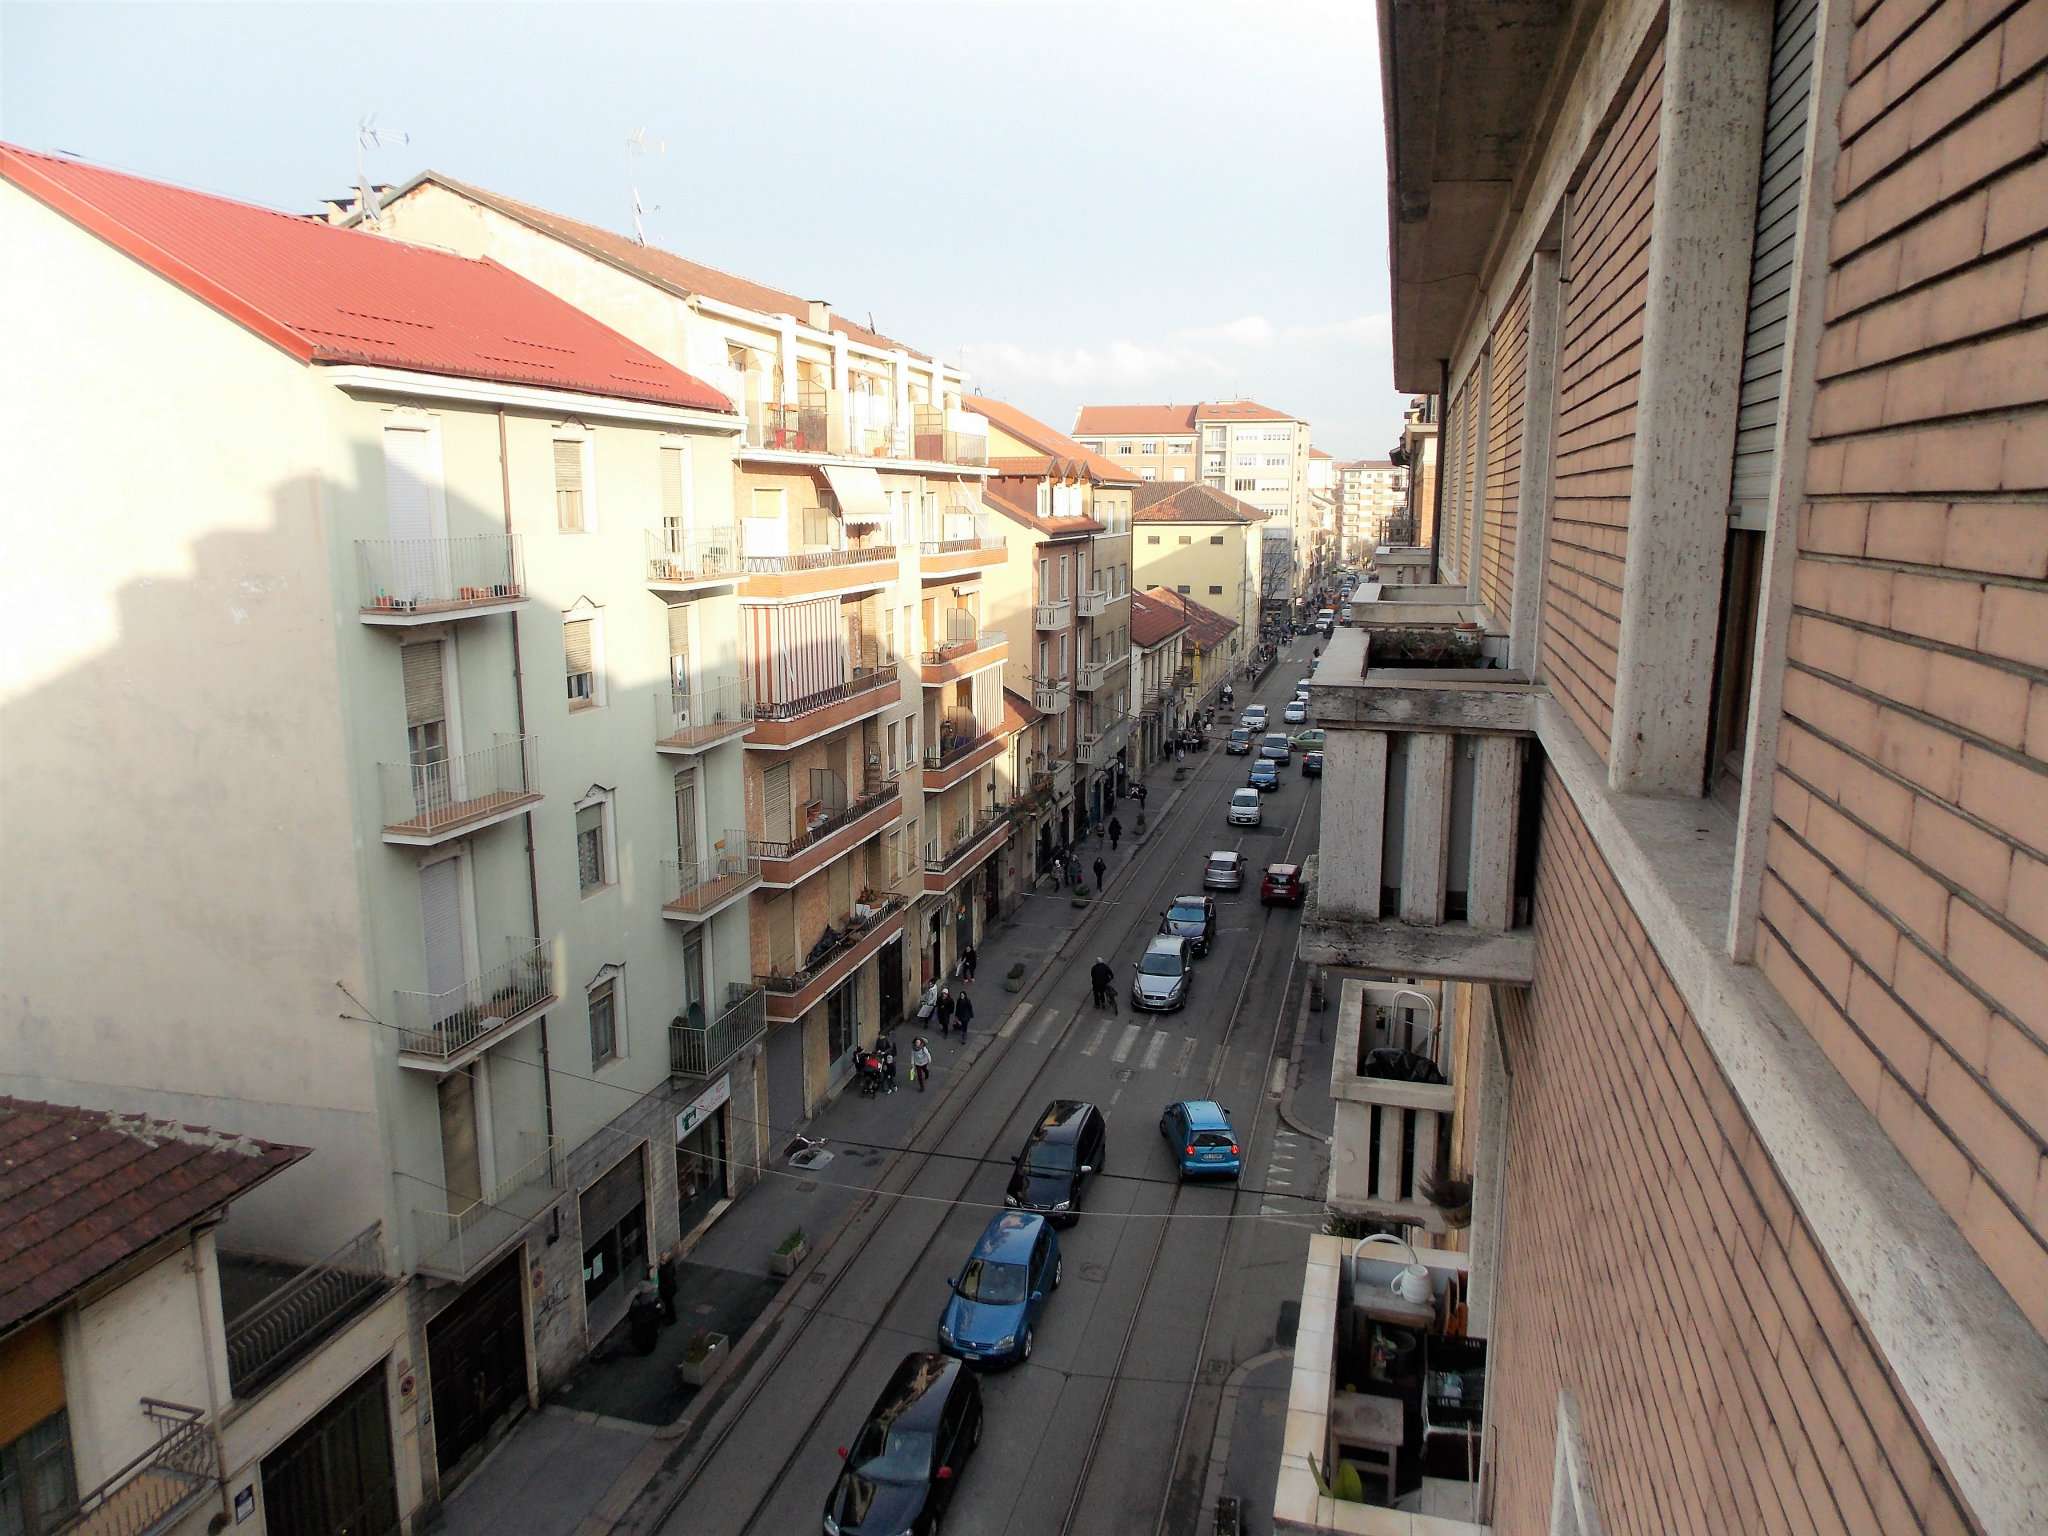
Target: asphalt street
1167	1286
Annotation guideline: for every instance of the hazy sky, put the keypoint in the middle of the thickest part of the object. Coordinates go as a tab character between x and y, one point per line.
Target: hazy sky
1105	202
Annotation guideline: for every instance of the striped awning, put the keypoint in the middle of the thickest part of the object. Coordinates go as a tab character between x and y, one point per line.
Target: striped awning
859	491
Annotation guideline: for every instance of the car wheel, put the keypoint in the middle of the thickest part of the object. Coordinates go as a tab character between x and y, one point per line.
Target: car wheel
1059	1269
1024	1354
974	1434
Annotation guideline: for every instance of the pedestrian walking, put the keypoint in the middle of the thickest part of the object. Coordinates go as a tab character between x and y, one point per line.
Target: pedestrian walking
1101	869
945	1011
967	962
1099	977
1141	797
920	1062
963	1013
1116	830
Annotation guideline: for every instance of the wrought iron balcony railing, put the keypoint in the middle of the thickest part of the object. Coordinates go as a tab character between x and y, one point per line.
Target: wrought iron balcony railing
698	1049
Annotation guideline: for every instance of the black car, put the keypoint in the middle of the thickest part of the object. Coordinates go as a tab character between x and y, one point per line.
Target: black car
1066	1148
1239	742
1192	918
1312	765
902	1467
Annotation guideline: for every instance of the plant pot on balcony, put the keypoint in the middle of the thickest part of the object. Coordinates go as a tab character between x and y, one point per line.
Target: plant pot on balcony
1014	980
704	1356
788	1254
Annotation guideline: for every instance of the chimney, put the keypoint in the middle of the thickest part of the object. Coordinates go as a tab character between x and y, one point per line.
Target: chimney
820	316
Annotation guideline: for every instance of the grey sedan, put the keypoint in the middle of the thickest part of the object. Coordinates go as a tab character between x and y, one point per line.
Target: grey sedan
1224	871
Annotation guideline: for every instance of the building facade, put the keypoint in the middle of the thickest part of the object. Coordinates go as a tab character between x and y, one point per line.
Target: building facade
1372	499
1200	543
1700	800
1161	677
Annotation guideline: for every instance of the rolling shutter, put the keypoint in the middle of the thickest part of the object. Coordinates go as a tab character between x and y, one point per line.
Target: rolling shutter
576	645
679	630
569	485
1770	266
441	918
775	803
425	699
673	468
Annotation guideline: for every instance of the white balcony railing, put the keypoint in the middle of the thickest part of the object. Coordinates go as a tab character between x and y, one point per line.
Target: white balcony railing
685	720
1097	674
440	796
1093	601
677	555
1056	614
698	1049
1049	698
404	578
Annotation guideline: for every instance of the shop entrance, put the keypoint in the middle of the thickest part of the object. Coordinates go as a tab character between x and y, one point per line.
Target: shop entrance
614	1212
701	1156
476	1355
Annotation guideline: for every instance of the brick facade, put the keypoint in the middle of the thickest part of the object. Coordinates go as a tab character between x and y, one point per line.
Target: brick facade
1508	349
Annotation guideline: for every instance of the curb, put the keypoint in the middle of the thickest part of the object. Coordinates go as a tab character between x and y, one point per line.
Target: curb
1286	1105
1226	1424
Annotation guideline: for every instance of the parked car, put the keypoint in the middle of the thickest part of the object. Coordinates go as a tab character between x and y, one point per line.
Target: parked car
1312	765
1192	918
1245	809
1275	745
1199	1135
1239	742
1254	718
1310	740
902	1468
1164	974
1302	687
1062	1153
1326	619
1225	869
1296	713
1265	774
1001	1290
1281	886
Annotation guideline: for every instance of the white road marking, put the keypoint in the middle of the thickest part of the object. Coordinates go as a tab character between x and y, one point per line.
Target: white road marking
1187	1052
1156	1049
1017	1016
1129	1039
1095	1040
1279	1082
1046	1015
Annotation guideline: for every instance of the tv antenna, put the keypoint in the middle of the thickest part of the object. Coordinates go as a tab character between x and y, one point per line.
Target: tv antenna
637	144
370	136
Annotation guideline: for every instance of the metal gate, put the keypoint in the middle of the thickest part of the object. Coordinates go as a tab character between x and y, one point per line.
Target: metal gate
335	1476
785	1080
892	983
476	1354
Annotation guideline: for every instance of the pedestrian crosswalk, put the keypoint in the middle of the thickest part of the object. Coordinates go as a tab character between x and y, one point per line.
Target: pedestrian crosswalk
1138	1046
1293	1168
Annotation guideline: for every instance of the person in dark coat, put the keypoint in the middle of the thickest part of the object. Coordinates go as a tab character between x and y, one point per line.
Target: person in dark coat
963	1013
945	1011
967	958
1116	830
1100	870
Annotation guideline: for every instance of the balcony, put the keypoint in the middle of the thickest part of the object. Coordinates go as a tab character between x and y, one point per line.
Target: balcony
799	428
431	802
973	840
964	653
697	1049
819	572
939	436
695	890
441	1031
689	722
278	1314
838	953
964	748
176	1474
1384	1408
686	561
1093	675
962	541
830	829
1054	615
784	723
1093	602
1051	697
454	1245
1391	1080
428	581
1099	748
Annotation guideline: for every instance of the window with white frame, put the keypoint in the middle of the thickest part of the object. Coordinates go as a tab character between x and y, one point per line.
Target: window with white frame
1148	447
574	510
676	495
595	841
583	656
606	997
1151	538
1149	472
1215	538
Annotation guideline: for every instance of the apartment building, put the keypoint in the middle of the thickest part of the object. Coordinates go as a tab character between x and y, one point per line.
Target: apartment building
1210	649
874	798
1372	499
1042	471
1254	453
1416	454
1198	542
1700	1059
394	602
1161	676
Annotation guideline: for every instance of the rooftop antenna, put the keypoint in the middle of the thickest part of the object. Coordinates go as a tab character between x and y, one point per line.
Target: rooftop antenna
637	144
370	136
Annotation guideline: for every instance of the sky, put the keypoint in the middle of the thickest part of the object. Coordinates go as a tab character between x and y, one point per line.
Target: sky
1111	202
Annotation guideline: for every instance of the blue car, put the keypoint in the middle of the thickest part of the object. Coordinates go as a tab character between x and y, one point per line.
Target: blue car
1265	774
998	1296
1198	1133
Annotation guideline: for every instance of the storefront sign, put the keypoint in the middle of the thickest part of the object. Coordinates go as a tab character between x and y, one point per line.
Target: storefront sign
702	1105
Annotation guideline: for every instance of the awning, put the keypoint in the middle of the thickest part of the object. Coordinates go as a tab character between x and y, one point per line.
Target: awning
859	491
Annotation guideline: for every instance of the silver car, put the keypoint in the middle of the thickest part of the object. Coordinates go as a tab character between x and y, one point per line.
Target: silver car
1224	871
1163	974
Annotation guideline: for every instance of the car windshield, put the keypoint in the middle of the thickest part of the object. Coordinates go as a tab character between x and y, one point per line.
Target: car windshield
1159	962
1050	1157
887	1454
1186	912
1245	796
1240	735
1276	740
984	1280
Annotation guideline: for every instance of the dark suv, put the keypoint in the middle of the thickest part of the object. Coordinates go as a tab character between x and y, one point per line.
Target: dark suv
901	1468
1065	1150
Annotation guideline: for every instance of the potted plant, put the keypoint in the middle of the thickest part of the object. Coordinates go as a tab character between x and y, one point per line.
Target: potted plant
788	1254
1014	980
705	1353
1080	896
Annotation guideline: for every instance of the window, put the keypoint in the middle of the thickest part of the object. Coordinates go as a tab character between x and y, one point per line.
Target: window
426	716
1276	461
675	494
604	1017
1123	450
1244	485
1215	538
1186	538
594	858
38	1488
580	657
1215	591
1148	447
1149	473
1179	472
1151	538
572	509
1182	589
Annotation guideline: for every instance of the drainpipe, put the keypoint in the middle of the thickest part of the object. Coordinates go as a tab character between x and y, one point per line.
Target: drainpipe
547	1075
1436	491
214	1402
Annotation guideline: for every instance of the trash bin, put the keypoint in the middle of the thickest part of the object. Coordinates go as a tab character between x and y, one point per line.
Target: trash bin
643	1319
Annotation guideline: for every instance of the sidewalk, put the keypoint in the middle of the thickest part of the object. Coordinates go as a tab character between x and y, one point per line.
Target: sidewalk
576	1465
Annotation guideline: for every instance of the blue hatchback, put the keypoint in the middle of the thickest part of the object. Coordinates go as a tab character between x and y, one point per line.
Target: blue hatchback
1198	1133
1264	775
998	1296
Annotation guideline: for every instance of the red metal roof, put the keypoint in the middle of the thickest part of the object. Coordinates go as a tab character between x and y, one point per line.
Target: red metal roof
1034	433
329	295
83	1190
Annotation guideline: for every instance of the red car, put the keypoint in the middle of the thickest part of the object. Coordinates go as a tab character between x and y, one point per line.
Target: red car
1281	886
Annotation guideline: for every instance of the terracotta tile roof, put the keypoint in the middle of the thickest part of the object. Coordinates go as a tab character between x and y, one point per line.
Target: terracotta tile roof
1016	497
1156	620
1018	712
83	1190
1317	453
1030	430
1239	410
1206	627
1189	502
653	263
1123	420
328	295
